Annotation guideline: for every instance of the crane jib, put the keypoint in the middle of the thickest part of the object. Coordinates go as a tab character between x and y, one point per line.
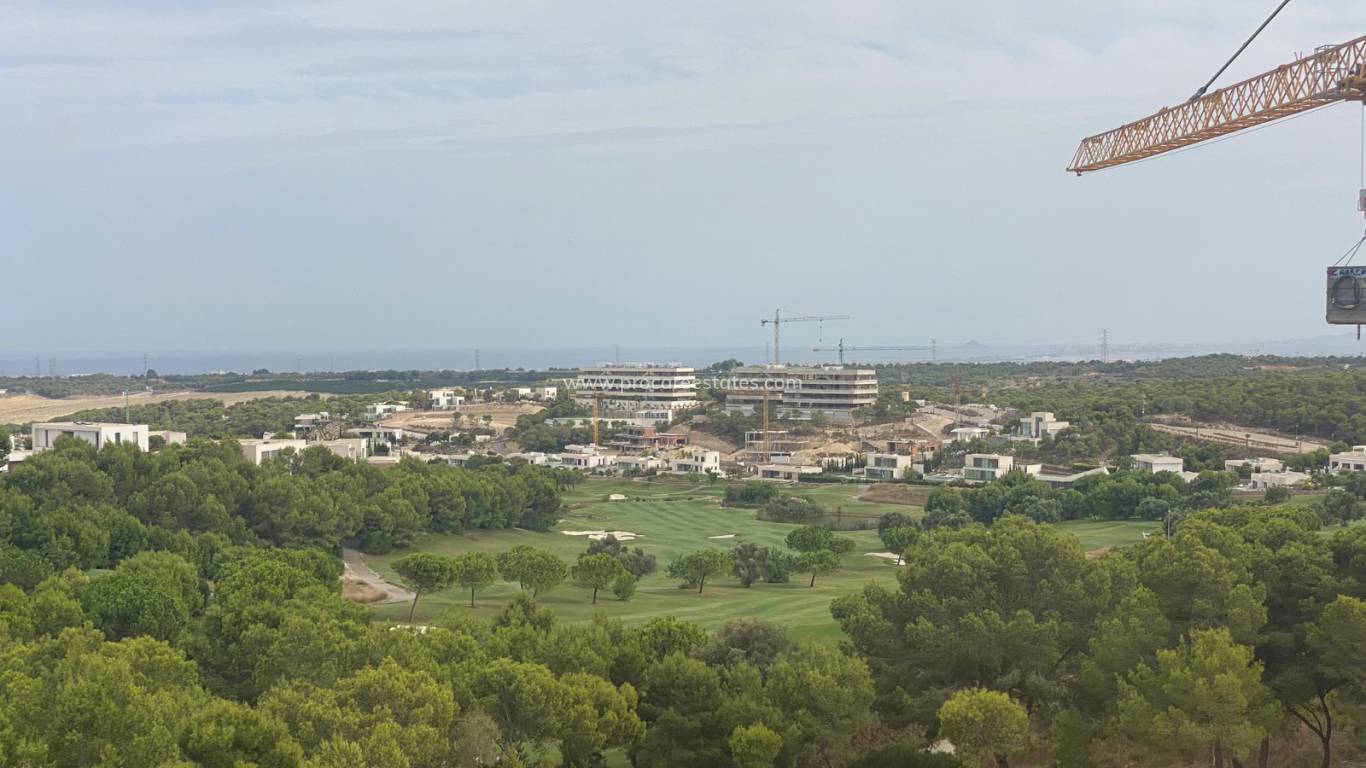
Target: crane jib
1332	74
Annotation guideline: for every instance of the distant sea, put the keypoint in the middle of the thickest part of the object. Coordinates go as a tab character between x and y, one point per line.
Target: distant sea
21	363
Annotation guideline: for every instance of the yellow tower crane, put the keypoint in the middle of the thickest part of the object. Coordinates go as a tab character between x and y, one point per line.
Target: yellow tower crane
1332	74
597	409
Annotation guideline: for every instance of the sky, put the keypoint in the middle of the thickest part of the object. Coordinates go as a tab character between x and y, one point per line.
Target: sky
345	174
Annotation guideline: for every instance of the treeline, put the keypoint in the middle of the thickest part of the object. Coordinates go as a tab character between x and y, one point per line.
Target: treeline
972	376
1328	404
74	507
250	418
340	383
364	382
69	386
1118	496
532	432
256	661
1241	639
1098	436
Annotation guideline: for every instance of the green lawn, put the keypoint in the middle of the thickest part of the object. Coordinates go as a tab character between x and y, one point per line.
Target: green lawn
673	517
1100	534
842	499
667	528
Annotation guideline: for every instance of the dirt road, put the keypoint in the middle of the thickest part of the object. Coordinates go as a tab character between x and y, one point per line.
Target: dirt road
21	409
1235	435
363	584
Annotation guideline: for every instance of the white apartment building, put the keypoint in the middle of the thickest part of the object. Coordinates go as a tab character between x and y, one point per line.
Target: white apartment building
98	434
545	392
1348	461
696	460
445	398
887	466
637	386
1041	424
257	451
985	467
1158	462
380	410
802	391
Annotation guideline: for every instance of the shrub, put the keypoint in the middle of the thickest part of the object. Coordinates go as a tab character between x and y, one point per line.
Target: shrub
624	586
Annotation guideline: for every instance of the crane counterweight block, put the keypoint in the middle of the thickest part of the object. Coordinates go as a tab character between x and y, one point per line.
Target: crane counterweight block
1333	73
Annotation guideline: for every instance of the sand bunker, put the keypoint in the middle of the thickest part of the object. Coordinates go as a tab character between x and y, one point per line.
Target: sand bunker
598	535
883	555
723	536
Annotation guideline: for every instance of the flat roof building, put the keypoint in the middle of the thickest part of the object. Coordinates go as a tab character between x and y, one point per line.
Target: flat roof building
887	466
985	467
350	448
1041	424
802	391
782	445
257	451
634	439
308	422
637	386
967	434
1065	478
1262	481
1158	462
696	460
1259	464
98	434
586	458
786	473
1348	461
641	463
445	398
380	410
170	436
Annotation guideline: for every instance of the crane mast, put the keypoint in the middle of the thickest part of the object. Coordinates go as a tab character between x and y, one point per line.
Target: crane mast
1333	73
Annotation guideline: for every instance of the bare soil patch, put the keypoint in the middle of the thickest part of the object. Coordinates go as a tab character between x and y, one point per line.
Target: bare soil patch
24	408
896	493
502	415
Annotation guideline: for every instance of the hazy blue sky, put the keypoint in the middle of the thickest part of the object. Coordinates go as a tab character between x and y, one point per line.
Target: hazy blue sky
188	175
